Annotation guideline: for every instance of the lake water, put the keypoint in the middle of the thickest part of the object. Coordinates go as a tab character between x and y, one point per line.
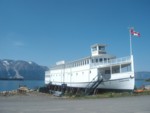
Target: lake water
8	85
141	83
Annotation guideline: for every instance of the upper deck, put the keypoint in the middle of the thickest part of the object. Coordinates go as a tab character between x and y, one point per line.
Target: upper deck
93	62
98	58
116	61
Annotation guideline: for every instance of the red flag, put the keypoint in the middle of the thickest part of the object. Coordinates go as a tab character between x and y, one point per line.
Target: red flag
134	33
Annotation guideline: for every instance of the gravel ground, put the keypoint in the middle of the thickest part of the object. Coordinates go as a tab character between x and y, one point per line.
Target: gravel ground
42	103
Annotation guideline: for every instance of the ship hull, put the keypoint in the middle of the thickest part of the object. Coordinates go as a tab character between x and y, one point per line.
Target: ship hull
125	83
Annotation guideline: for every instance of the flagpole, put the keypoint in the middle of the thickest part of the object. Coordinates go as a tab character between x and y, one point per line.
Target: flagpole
130	41
131	52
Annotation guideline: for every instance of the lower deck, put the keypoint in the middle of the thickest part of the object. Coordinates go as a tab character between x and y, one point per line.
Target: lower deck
126	84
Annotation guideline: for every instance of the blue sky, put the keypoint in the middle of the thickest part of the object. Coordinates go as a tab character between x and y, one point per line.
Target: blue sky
46	31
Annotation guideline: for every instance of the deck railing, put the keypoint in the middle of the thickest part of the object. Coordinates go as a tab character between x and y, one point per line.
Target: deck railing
103	63
112	61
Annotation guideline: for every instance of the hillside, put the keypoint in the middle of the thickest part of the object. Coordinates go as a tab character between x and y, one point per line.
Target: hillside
11	69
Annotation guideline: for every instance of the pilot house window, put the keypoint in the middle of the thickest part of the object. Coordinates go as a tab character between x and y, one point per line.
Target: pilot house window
94	48
101	48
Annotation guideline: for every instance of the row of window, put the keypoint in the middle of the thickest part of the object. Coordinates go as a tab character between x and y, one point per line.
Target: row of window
105	71
102	48
97	60
82	63
79	63
74	73
118	69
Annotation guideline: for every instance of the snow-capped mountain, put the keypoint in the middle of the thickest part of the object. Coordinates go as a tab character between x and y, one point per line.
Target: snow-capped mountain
11	69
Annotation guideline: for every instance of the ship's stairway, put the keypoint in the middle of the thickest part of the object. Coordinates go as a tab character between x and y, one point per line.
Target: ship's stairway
93	85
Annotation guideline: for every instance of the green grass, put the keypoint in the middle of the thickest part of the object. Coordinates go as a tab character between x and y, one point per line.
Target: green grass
108	95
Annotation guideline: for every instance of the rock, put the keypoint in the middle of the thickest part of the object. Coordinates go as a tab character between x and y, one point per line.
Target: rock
23	90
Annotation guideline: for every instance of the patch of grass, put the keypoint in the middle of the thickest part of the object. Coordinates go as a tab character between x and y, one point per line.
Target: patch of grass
109	95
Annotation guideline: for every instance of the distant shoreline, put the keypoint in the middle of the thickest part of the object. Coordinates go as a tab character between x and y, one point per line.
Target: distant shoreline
11	79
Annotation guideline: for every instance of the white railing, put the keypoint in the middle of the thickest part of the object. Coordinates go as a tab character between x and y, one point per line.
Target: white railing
102	63
112	61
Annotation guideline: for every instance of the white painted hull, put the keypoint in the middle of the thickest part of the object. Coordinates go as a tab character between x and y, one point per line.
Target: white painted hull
116	84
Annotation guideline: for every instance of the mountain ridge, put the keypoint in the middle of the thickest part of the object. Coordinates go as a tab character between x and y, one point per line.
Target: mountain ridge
20	69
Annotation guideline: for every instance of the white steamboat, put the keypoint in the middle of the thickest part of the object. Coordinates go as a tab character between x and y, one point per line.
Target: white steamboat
100	71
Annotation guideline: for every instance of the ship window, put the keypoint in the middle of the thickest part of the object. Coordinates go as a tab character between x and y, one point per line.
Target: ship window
108	59
115	69
107	71
105	59
83	62
101	48
96	60
92	60
94	48
126	68
87	61
100	60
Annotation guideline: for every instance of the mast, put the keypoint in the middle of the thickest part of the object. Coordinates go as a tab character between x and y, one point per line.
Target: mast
131	52
130	42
